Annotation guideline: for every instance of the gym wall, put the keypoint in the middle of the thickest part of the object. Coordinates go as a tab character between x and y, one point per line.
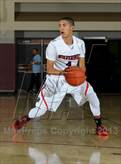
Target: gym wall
42	15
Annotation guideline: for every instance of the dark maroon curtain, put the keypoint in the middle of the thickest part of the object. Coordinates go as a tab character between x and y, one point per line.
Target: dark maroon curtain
7	67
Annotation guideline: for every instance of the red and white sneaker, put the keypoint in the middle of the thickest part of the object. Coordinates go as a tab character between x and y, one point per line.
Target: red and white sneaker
102	131
18	124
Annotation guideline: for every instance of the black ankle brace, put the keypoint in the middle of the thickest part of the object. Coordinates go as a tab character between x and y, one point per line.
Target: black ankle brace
98	121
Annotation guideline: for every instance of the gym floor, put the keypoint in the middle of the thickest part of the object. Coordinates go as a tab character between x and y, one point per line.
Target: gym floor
65	137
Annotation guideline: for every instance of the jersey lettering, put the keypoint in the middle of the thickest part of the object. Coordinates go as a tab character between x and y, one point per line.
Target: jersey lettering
72	57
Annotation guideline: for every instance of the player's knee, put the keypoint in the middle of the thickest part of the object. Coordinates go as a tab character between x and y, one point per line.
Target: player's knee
36	112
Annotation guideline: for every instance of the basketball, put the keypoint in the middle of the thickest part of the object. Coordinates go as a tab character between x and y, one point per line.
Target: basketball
74	75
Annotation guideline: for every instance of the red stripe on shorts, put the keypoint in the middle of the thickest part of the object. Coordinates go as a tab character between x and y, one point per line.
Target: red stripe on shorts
86	90
44	98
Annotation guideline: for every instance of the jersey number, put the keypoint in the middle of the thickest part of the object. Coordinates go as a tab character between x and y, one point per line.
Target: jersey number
69	63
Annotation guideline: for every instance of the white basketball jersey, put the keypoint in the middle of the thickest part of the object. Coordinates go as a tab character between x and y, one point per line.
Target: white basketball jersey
63	54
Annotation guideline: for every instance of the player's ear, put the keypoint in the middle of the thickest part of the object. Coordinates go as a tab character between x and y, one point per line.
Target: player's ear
73	27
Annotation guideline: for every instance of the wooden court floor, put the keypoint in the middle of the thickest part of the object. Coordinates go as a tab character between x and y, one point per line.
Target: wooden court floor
65	137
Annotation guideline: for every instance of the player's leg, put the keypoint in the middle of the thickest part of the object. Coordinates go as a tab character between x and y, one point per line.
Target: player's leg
49	98
95	109
85	93
42	106
46	103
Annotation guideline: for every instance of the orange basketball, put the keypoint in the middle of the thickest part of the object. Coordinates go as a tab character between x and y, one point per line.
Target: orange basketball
74	75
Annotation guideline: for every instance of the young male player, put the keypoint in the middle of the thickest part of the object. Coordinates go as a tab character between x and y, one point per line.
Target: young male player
65	50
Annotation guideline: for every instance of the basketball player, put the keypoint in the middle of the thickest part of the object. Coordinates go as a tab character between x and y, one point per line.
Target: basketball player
66	50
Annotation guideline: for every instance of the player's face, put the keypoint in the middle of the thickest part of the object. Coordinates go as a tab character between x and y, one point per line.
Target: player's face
65	28
34	52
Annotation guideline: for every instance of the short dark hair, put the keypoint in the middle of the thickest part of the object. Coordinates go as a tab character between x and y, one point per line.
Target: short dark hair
69	19
36	49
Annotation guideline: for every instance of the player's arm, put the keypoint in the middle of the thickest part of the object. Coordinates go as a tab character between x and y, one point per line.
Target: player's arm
37	60
51	69
82	55
82	63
